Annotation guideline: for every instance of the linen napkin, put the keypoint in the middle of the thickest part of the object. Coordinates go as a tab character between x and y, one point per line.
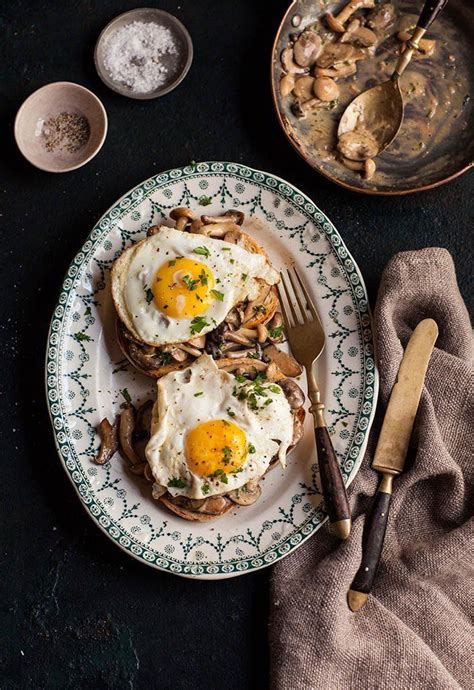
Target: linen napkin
415	630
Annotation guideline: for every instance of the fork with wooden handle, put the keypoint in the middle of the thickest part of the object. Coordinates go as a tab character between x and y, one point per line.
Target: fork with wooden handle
306	337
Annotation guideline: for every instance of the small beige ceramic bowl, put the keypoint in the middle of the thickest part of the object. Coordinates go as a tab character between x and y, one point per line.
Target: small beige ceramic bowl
33	133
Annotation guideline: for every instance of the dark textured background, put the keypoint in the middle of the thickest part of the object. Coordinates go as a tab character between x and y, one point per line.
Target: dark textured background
76	611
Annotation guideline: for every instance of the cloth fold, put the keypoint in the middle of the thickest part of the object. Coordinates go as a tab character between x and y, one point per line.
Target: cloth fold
416	629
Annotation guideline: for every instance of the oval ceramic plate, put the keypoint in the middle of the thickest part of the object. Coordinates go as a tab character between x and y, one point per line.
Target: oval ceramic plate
441	160
87	377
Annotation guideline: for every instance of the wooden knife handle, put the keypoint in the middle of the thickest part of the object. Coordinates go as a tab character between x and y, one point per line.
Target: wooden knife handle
372	543
334	491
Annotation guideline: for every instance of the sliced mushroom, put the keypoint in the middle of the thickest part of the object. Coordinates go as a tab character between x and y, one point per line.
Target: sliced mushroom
179	355
199	341
285	362
182	212
138	468
298	428
367	167
143	420
287	83
152	230
337	72
235	217
336	23
304	108
336	53
325	89
381	16
233	318
126	428
246	495
307	48
182	223
239	354
288	64
248	366
293	393
304	89
237	337
360	35
234	236
109	441
273	373
358	144
193	351
218	230
262	332
196	226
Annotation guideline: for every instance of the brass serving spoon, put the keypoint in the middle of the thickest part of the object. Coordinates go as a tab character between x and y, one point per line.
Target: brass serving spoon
379	110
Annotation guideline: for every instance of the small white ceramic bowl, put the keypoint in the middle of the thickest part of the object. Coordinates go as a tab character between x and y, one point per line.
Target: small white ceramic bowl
49	101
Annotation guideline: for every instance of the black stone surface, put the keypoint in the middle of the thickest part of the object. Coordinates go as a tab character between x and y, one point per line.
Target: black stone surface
75	610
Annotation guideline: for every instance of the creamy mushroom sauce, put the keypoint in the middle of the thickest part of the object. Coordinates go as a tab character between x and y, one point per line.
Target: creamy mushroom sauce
436	93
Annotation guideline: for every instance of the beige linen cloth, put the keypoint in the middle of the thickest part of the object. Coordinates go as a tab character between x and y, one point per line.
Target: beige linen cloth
415	630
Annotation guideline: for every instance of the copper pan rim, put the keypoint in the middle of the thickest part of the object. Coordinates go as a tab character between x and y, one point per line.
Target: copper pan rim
321	171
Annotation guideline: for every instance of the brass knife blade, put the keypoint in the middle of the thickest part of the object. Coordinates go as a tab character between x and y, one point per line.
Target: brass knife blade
401	411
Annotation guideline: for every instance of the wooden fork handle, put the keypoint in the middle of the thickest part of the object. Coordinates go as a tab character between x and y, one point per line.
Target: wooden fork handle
334	491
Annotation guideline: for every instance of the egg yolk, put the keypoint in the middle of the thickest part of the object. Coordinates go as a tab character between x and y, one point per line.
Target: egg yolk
216	447
182	288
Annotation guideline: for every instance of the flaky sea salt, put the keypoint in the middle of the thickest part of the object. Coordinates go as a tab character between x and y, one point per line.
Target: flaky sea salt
133	55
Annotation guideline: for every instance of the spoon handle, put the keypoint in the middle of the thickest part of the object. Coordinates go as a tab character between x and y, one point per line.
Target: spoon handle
430	11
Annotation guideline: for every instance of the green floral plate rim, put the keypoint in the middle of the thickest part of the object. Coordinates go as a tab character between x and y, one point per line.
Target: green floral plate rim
85	374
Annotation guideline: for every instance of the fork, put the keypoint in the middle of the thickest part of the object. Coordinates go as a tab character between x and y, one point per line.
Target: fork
306	337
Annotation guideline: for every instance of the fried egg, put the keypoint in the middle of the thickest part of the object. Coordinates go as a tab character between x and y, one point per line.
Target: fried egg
177	285
212	432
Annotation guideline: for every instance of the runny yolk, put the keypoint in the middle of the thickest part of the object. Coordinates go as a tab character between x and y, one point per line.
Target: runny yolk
182	288
215	447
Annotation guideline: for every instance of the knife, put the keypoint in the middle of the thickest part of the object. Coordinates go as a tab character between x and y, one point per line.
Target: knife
391	452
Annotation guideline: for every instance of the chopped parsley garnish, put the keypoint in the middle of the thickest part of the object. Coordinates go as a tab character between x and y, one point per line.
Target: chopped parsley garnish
230	412
190	284
205	200
253	355
261	308
148	295
87	311
275	332
177	483
220	475
205	488
165	357
232	261
202	251
227	455
203	277
196	395
126	395
197	324
251	448
218	295
253	392
244	276
225	249
172	262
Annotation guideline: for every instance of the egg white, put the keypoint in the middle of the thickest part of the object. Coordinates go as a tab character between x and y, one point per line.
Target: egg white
178	410
235	271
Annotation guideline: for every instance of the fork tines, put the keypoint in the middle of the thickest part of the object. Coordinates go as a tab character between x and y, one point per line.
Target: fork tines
300	305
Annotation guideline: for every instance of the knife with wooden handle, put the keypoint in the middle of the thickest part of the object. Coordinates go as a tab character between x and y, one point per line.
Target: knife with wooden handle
391	452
